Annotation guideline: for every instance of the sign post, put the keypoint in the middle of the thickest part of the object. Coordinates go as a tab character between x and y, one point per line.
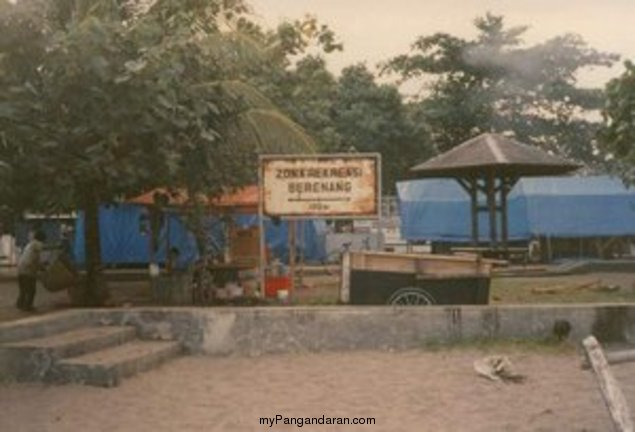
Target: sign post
261	237
332	186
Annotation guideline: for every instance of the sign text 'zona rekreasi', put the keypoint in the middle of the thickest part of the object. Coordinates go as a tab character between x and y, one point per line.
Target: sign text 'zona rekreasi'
330	186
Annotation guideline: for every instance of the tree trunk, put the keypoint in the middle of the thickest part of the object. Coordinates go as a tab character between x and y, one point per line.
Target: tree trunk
94	288
200	235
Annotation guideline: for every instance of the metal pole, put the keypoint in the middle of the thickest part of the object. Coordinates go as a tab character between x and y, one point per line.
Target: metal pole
228	228
292	257
261	231
302	246
491	204
167	233
504	221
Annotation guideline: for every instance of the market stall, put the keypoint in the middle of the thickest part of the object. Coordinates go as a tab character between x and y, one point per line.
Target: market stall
230	270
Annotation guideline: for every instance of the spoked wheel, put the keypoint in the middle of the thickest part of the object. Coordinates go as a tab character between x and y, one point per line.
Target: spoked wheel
411	296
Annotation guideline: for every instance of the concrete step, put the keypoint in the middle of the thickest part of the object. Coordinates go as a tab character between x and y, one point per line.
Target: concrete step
106	368
76	342
45	325
31	359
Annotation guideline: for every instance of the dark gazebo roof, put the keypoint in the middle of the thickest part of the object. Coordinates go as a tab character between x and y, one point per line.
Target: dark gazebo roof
488	151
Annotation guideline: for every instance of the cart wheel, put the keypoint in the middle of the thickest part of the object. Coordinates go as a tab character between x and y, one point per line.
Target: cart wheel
411	296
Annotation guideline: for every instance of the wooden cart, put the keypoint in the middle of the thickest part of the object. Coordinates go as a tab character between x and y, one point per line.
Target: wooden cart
414	279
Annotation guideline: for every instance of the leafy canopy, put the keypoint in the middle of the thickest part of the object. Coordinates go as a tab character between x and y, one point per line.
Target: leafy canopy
113	98
618	131
103	99
495	83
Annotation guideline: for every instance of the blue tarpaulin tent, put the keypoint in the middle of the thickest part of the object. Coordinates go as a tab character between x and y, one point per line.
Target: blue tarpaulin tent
276	237
123	240
439	209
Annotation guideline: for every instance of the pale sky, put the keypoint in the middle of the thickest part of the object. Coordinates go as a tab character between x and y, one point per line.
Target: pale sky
375	30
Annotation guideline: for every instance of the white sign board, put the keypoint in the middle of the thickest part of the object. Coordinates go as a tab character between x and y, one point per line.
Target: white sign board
331	186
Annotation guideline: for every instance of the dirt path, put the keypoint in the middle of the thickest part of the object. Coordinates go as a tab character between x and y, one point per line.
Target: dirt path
407	391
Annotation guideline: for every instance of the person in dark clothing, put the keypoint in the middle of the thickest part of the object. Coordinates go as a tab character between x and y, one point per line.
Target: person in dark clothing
28	267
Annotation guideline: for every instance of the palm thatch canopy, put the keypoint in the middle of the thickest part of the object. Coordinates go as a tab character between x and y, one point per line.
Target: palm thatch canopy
494	152
270	132
262	127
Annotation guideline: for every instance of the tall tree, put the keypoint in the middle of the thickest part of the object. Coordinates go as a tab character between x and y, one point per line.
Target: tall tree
310	93
290	70
371	117
496	83
101	99
352	111
617	136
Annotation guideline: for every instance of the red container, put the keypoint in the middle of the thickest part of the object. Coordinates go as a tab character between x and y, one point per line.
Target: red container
273	284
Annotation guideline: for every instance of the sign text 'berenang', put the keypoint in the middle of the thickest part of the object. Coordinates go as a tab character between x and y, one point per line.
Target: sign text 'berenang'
327	186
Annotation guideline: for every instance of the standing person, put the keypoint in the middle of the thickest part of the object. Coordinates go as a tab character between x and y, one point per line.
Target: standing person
28	267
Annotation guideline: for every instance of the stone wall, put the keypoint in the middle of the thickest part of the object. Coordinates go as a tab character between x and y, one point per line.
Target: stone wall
256	331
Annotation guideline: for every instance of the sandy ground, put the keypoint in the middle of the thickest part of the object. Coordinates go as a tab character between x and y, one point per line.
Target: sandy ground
44	301
405	391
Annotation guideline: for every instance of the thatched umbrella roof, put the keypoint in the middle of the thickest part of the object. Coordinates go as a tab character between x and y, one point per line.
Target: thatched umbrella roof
494	152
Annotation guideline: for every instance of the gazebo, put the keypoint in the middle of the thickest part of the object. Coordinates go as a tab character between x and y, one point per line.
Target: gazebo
492	164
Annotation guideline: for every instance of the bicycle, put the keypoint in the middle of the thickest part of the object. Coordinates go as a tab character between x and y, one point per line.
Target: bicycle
202	284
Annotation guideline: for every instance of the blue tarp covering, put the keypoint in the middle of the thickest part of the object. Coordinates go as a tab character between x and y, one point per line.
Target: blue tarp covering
312	232
122	240
52	228
439	209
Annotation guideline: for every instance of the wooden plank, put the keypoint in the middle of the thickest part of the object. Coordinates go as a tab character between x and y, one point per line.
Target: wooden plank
426	256
481	249
562	288
611	392
449	265
345	278
614	357
465	184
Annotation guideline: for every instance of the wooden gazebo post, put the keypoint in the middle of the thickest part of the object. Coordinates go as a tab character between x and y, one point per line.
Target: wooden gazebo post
473	191
471	186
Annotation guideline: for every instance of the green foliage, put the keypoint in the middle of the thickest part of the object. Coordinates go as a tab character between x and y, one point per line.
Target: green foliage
307	94
371	117
352	112
122	98
495	83
618	131
104	99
